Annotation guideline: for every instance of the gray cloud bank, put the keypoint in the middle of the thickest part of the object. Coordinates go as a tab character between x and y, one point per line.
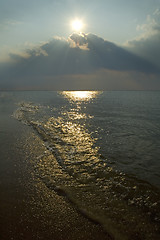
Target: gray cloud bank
83	61
147	45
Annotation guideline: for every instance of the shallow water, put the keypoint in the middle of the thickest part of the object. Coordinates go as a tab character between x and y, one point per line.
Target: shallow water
101	151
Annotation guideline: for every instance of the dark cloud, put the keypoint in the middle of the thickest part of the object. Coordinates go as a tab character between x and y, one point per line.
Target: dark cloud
80	55
148	48
147	45
107	55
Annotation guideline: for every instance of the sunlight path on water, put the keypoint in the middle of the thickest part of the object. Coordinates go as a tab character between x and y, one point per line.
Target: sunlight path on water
71	165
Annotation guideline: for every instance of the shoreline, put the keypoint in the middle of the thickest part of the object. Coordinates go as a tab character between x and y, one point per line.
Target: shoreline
29	210
43	214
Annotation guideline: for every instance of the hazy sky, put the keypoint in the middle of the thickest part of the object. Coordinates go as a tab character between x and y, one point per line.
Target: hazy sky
28	30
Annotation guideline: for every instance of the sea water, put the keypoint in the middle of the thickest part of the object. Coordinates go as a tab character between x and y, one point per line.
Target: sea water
101	152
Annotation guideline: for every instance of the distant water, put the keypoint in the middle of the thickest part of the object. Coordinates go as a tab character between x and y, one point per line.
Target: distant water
102	151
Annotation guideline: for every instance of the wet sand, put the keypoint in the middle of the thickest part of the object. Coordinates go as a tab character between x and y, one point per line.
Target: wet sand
43	215
37	174
28	209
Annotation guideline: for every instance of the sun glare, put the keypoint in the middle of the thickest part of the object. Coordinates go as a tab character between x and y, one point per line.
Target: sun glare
77	25
80	95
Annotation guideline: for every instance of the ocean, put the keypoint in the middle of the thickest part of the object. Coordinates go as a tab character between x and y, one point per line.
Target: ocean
99	151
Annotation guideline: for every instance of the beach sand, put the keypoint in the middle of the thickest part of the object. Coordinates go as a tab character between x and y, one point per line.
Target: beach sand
28	209
39	213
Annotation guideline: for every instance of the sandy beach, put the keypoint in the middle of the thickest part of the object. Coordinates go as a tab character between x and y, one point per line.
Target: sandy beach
28	209
55	180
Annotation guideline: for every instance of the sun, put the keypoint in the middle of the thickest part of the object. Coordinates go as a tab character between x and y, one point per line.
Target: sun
77	25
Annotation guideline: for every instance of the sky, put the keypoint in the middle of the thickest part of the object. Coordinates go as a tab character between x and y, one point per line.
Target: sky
118	47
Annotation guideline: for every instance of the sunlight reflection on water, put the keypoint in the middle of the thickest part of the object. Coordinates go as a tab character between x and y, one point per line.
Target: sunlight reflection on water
80	95
71	163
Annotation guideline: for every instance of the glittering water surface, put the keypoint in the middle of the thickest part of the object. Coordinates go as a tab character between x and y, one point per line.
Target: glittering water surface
102	152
